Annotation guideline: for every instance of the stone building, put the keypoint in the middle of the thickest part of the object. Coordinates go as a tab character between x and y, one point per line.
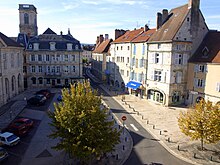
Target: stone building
52	60
178	34
11	68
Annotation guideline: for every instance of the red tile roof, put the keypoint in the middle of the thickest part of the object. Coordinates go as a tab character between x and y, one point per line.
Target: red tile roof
174	21
129	36
103	47
143	37
211	43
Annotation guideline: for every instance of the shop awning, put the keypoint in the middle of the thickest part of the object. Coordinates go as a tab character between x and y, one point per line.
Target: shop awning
133	85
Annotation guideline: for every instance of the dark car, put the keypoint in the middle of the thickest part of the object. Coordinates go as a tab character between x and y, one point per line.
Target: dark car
3	154
20	126
45	92
37	100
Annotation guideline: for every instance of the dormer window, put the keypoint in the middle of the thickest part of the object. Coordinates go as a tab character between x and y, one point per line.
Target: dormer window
69	46
36	46
30	46
205	52
76	47
52	45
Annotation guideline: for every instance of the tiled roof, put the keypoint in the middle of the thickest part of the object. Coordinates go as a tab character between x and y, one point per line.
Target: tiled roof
8	41
50	36
129	36
143	37
169	29
211	46
103	47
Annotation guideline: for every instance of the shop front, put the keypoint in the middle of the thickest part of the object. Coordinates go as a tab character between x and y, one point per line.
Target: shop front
135	88
156	95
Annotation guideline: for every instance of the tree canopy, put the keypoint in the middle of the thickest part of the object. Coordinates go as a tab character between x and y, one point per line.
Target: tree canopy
81	124
202	122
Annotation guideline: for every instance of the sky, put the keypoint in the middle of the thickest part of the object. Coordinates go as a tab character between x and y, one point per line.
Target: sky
87	19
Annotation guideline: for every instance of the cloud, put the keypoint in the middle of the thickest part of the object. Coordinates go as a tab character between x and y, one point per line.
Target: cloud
114	2
213	17
69	6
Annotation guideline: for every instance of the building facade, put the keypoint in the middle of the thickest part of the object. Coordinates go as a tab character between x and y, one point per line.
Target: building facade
11	68
52	60
178	35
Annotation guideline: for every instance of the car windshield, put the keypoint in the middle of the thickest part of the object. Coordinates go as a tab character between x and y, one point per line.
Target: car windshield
11	138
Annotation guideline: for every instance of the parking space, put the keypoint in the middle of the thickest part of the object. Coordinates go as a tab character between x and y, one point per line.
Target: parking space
16	152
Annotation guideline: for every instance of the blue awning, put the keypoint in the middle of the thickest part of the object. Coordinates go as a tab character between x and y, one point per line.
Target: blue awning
133	85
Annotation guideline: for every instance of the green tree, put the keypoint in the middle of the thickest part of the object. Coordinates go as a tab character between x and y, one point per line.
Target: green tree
81	125
201	123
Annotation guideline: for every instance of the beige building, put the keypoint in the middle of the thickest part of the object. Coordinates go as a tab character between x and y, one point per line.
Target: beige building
11	68
178	34
204	71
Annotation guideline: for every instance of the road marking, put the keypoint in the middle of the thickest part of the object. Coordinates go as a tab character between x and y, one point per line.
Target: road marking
134	127
126	126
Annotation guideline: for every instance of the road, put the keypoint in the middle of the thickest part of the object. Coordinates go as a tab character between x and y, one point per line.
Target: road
146	150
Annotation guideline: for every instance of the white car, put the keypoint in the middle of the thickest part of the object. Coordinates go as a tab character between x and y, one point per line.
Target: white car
8	138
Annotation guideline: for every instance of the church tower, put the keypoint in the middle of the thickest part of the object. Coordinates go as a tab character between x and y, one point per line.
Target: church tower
28	20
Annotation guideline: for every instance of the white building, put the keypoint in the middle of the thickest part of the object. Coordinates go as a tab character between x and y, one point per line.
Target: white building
11	68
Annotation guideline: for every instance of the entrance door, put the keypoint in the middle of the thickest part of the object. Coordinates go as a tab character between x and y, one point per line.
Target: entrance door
53	82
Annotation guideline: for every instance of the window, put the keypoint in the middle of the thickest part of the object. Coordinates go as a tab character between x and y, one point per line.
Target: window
157	58
143	49
40	80
26	18
127	73
57	57
58	69
218	87
58	81
201	68
69	46
52	45
158	46
136	63
127	59
134	51
40	69
47	57
199	83
157	75
66	69
48	81
178	59
5	61
74	57
48	69
74	68
12	60
32	69
117	47
53	69
53	57
33	80
121	47
36	46
128	48
205	52
76	47
39	57
32	57
178	77
65	57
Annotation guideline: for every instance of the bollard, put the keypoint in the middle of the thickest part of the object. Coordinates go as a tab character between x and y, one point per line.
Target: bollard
126	139
194	155
119	126
123	147
178	147
211	158
168	139
147	122
160	132
137	113
116	156
142	117
153	126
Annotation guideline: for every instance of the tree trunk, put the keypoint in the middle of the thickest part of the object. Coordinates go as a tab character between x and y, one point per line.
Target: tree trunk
202	144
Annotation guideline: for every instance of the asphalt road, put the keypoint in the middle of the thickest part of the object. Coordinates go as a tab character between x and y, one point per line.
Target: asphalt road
146	150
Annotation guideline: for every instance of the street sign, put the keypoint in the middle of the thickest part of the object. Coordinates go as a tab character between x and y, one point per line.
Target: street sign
123	118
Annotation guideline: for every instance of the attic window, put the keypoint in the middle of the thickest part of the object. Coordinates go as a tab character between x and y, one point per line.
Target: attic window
76	47
205	52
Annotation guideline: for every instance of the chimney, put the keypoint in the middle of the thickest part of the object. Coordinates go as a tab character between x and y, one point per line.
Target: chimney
106	37
146	28
159	20
101	39
119	33
194	4
97	40
61	33
165	15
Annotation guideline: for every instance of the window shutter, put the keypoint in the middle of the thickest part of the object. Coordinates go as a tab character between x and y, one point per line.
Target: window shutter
185	59
218	87
176	59
206	68
152	75
153	59
195	82
203	83
196	68
160	59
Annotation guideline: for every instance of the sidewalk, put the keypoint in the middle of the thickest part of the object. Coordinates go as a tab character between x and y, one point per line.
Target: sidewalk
162	123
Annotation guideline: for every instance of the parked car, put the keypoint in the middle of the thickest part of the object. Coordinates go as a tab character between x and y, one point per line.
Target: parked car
20	127
3	154
8	138
45	92
37	100
59	98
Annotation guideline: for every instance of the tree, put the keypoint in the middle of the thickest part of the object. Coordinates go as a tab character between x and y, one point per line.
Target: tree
81	125
201	123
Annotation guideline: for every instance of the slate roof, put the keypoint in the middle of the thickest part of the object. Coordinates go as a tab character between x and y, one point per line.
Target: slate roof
143	37
8	41
103	47
129	36
171	26
49	36
211	43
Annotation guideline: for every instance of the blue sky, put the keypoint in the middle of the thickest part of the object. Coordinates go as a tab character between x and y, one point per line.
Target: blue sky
89	18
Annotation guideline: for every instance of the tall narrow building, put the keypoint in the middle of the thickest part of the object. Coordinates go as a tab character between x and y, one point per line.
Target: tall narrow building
28	20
